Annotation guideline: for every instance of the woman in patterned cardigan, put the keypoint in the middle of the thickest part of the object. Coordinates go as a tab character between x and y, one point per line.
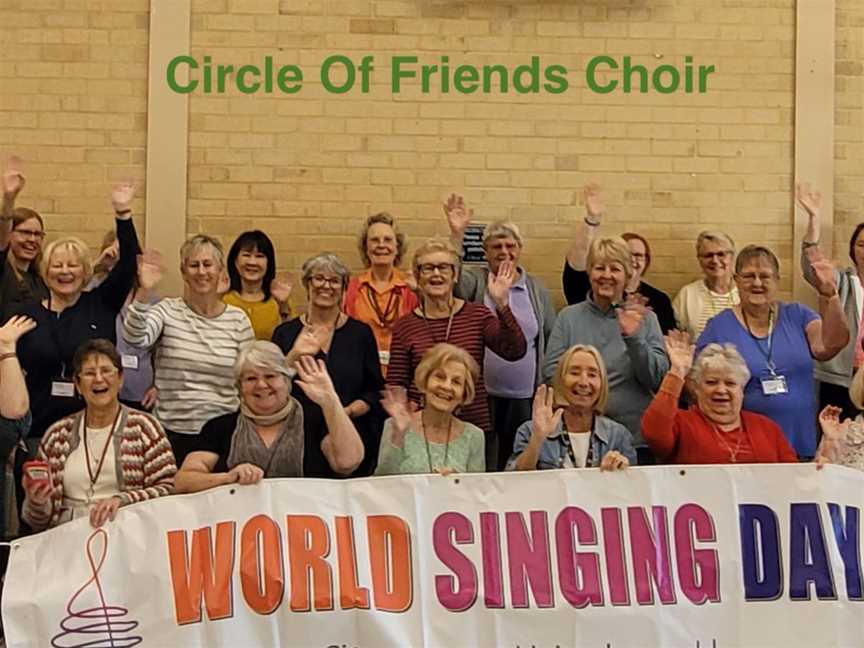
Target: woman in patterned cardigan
101	458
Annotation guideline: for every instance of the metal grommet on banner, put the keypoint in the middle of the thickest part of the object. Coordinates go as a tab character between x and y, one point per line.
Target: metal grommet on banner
456	481
232	491
682	472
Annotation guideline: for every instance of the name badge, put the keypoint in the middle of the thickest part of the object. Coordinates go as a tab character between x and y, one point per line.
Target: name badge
384	358
774	385
62	388
129	361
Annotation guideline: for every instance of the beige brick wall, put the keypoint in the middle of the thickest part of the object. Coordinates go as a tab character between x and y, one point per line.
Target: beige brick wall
307	167
73	104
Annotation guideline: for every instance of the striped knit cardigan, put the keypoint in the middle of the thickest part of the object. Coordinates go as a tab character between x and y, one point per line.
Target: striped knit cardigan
143	459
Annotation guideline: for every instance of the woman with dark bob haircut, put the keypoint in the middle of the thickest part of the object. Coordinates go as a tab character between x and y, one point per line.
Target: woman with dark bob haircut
254	287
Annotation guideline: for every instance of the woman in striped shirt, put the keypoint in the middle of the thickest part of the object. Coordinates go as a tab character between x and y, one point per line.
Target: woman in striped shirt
441	317
198	336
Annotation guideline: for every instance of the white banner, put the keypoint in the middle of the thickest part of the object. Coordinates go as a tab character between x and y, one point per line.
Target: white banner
701	557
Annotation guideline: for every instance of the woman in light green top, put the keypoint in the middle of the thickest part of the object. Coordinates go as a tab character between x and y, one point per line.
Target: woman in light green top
433	440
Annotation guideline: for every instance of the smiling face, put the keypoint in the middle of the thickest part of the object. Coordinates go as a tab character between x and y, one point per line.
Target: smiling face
381	244
608	279
715	259
436	275
640	257
25	240
757	283
582	381
99	381
263	390
201	271
251	265
445	386
719	395
65	273
501	249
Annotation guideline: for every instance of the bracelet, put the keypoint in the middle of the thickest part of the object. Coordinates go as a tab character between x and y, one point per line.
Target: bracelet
591	223
808	244
6	356
823	295
122	212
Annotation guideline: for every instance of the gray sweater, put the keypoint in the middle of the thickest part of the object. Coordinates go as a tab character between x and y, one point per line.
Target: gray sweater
635	365
838	370
472	287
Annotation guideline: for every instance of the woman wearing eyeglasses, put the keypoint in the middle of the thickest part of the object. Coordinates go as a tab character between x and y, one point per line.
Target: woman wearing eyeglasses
347	347
21	235
780	341
102	458
441	317
698	302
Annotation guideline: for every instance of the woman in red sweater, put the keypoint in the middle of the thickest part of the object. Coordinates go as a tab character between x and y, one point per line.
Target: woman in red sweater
715	429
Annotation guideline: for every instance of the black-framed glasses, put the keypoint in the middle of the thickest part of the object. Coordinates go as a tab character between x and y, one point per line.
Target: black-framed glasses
428	269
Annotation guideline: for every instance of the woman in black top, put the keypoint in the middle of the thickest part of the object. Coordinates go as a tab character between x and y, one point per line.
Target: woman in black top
69	316
21	234
575	276
350	352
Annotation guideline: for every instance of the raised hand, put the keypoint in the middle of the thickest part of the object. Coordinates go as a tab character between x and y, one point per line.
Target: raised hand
614	460
122	195
544	419
458	214
224	284
808	199
313	379
680	350
498	286
593	201
824	277
829	421
13	178
150	269
309	342
631	314
245	473
280	289
108	257
12	330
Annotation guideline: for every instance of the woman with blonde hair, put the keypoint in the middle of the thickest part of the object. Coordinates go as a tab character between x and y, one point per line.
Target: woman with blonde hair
433	439
567	427
442	317
69	316
383	293
626	334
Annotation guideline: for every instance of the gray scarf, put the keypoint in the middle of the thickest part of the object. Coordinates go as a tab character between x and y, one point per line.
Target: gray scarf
284	458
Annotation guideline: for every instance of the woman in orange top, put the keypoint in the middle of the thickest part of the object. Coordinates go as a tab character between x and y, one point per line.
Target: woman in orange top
383	293
716	430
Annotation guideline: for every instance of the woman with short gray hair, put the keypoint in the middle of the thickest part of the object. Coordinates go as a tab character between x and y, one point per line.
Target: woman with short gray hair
266	438
716	430
699	301
509	384
347	347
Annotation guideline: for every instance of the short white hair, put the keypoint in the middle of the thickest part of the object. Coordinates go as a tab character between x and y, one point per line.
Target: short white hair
720	357
502	229
263	355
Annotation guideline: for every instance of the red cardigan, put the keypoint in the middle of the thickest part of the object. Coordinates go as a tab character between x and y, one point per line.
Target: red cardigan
686	437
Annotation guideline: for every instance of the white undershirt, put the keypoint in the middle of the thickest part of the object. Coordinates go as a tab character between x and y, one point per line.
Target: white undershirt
76	478
579	442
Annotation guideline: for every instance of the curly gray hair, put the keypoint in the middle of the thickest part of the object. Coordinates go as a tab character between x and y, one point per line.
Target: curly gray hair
720	357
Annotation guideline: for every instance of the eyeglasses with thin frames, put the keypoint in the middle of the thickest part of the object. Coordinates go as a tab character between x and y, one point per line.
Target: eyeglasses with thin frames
427	269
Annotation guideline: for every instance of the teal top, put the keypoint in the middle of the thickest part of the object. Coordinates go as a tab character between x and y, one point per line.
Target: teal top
465	454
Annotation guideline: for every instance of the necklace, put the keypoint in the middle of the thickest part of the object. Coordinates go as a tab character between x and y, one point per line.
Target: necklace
391	310
91	490
446	445
452	308
733	453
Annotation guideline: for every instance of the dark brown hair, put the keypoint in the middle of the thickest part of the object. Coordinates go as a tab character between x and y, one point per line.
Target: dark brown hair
99	346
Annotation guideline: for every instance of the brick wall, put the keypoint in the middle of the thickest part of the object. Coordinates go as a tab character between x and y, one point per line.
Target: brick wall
307	167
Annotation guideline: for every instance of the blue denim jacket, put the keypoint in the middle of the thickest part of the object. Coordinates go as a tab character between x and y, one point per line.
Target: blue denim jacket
606	436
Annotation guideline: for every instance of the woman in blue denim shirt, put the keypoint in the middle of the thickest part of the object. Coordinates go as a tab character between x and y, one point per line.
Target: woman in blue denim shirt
567	428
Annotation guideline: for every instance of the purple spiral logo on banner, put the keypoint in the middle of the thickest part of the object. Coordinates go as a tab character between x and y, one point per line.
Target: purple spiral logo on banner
98	626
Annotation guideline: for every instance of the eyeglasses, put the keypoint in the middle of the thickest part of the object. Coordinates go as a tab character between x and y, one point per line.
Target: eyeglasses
319	281
707	256
104	372
638	255
270	379
442	268
750	277
28	233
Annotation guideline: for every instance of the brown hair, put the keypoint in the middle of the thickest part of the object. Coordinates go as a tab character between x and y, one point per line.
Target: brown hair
386	219
90	348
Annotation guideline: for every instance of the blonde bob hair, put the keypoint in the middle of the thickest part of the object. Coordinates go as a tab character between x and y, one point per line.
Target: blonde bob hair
437	357
70	244
562	394
437	245
612	249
